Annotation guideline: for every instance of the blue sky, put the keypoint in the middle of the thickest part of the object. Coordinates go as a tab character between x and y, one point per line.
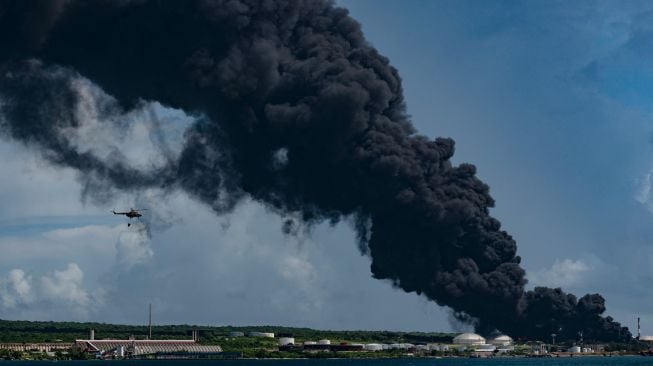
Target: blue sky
550	100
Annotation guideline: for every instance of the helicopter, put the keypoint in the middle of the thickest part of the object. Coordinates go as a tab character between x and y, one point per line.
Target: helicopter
132	213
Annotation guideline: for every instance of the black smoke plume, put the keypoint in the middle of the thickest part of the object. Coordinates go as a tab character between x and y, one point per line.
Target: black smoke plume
297	110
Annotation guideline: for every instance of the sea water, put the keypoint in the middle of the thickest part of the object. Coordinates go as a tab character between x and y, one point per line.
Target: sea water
574	361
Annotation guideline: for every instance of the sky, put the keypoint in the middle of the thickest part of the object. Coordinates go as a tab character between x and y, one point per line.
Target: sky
550	100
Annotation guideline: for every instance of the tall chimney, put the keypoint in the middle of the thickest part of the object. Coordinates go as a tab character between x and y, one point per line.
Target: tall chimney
196	335
638	333
150	322
91	334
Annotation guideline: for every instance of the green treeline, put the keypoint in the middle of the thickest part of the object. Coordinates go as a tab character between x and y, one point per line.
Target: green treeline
35	331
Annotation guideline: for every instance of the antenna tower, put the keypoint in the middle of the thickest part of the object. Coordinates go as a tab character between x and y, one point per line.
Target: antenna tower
150	322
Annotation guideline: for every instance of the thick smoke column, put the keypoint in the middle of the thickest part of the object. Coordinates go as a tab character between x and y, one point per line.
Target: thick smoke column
299	112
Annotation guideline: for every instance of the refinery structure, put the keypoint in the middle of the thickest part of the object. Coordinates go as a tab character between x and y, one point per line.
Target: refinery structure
464	344
133	348
470	344
261	342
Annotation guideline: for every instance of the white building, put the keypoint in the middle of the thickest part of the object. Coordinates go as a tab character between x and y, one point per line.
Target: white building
485	348
438	347
469	339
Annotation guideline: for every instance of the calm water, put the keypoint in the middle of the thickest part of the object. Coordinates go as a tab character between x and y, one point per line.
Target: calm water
577	361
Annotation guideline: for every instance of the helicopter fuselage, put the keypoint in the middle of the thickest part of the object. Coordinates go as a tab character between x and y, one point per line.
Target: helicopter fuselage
130	214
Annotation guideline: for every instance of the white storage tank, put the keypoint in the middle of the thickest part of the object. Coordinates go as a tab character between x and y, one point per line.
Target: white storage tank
501	340
574	349
310	343
286	341
261	334
469	339
324	341
373	347
646	338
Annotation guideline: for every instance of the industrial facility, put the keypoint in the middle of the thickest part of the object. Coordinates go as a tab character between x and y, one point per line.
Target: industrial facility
145	348
463	342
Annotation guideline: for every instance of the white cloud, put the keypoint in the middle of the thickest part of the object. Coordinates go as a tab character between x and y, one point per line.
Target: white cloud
20	283
15	289
145	137
643	193
89	234
55	292
28	246
65	286
566	273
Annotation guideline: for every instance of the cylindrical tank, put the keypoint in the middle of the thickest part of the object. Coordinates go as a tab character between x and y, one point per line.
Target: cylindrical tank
373	347
261	334
324	341
286	341
574	349
310	343
469	339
